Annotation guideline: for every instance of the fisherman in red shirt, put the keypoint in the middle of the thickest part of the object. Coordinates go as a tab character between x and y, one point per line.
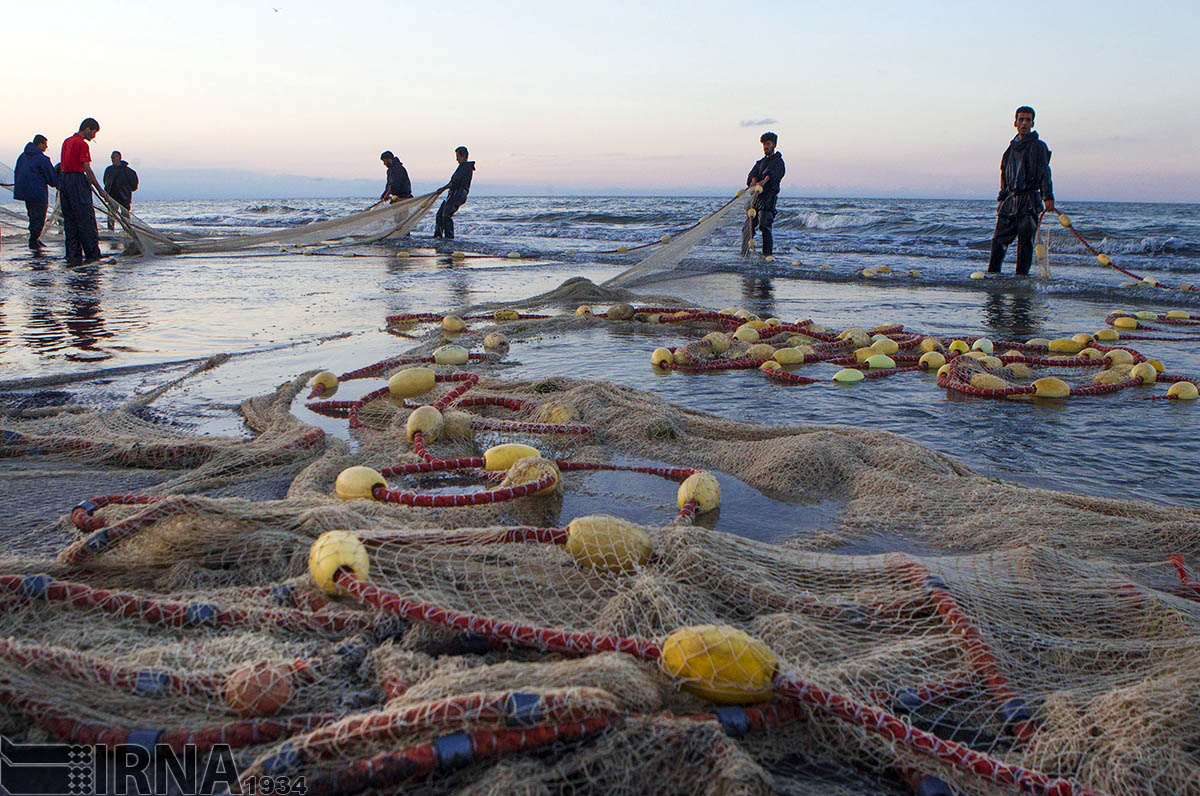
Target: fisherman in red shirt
75	192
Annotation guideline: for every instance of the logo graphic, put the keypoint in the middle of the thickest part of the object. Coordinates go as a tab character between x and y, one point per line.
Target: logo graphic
38	769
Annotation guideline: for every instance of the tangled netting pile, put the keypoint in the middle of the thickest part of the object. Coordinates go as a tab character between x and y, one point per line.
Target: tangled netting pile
462	636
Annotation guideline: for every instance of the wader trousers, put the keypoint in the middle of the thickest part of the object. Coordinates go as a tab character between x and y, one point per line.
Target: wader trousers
79	218
37	220
1022	227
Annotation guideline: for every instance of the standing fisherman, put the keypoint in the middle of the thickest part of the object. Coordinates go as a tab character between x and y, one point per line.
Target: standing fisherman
767	172
75	191
1024	183
459	186
32	175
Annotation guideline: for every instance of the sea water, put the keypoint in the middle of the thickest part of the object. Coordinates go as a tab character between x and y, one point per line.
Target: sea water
285	313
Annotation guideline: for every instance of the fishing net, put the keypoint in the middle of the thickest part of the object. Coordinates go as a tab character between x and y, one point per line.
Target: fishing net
415	608
666	256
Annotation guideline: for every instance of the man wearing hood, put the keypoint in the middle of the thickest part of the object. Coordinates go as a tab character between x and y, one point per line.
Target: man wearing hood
459	186
31	178
398	184
120	181
1024	183
767	172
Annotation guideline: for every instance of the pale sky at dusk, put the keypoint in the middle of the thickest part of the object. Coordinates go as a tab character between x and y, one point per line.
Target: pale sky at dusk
869	99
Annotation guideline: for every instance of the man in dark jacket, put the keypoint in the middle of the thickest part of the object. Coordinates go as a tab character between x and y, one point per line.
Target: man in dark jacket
1024	183
398	184
120	182
767	172
459	186
31	178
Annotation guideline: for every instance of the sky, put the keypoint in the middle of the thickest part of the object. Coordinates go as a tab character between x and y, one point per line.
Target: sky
871	99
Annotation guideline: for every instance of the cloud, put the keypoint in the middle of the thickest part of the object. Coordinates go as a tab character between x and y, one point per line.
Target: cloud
756	122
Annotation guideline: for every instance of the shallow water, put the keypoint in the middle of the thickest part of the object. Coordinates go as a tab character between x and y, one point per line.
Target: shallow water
287	313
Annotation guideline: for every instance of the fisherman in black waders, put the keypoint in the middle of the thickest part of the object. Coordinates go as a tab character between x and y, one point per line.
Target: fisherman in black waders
459	186
75	193
767	172
1024	183
398	185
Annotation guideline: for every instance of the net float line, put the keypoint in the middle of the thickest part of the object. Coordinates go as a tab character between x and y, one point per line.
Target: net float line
145	682
385	365
1189	585
1104	260
237	735
789	686
81	515
385	495
170	613
1011	708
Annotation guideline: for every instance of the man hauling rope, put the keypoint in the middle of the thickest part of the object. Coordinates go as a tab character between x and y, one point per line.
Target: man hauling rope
398	185
120	181
767	172
1024	183
75	192
459	186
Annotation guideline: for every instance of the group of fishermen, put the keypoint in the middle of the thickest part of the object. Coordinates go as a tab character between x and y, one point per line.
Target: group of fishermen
34	175
1026	191
399	186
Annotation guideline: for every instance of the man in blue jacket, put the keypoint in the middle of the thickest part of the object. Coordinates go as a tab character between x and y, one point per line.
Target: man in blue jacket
31	178
767	172
459	186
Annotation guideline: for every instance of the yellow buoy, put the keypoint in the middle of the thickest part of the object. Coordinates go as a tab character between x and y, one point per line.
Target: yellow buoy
1093	354
861	354
1119	356
975	354
451	355
326	381
930	344
718	342
760	351
988	381
943	371
335	550
1083	338
788	356
1020	370
424	419
720	663
983	344
1125	322
664	239
570	251
978	275
411	382
745	333
1104	260
959	346
530	469
701	487
494	341
931	360
857	337
1157	365
883	269
506	315
514	255
1038	341
1065	345
453	323
1178	315
991	362
757	324
770	258
622	249
1107	335
751	213
557	414
1064	219
880	361
1113	375
1182	391
502	457
1150	282
885	345
583	310
848	375
1146	315
357	482
1186	287
774	322
1039	251
1050	387
914	273
868	272
620	312
458	255
607	544
770	364
402	253
662	357
1144	371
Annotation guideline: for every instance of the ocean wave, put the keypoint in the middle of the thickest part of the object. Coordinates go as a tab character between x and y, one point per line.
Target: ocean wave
815	220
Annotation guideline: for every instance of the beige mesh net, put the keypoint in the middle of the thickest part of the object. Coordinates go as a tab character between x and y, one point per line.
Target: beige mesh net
414	611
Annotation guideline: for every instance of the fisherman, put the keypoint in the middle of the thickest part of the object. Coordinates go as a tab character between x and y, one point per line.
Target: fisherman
120	181
1024	183
459	186
79	217
398	185
31	178
767	172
